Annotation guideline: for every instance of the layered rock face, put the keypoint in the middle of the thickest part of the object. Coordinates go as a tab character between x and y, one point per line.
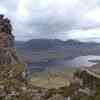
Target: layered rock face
11	69
7	49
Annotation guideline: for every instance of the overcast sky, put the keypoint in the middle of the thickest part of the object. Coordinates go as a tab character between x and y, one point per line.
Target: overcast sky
63	19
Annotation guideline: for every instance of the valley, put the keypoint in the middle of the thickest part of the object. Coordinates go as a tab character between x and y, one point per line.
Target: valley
53	66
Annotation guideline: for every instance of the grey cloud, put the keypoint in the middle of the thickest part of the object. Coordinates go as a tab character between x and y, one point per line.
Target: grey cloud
52	26
49	21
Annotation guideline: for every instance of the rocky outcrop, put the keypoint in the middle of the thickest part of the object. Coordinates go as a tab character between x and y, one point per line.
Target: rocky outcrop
7	48
12	73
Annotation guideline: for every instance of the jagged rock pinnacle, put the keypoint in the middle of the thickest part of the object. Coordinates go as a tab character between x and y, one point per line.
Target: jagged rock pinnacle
10	65
7	48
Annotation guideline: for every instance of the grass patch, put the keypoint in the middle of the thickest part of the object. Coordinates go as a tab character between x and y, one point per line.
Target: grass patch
52	79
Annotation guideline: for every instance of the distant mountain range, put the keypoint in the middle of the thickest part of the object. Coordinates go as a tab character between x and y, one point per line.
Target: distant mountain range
44	44
41	53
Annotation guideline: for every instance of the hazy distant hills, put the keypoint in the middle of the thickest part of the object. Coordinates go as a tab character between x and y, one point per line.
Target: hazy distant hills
53	52
39	44
68	49
44	44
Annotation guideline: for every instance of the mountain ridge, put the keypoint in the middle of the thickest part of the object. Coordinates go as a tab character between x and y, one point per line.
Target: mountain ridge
51	43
